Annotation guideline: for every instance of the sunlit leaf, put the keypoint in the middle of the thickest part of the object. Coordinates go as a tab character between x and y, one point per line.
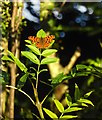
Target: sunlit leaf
59	105
68	100
31	57
59	78
79	104
86	101
34	49
72	109
48	60
28	41
79	66
77	92
87	94
18	62
50	113
5	57
68	117
48	52
41	34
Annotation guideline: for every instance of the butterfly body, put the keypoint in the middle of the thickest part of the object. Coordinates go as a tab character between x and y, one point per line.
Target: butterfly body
42	42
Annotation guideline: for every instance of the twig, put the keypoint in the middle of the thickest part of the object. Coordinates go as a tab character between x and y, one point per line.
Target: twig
63	3
36	116
73	59
22	92
47	95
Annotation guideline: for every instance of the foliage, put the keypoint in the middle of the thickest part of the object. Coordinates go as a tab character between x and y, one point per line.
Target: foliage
77	105
6	14
6	19
41	57
94	83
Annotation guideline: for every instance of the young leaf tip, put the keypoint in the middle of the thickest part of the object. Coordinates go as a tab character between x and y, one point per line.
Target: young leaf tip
41	33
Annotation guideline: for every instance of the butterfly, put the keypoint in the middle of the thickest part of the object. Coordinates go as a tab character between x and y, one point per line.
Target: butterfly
42	42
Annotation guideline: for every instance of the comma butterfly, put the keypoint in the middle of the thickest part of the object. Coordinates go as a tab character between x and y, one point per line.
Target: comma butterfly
42	42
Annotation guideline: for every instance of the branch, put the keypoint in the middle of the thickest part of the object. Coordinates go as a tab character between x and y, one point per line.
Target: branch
13	16
22	92
19	15
73	59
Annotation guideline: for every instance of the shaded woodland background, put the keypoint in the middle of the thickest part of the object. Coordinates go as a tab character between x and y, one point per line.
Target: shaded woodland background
75	26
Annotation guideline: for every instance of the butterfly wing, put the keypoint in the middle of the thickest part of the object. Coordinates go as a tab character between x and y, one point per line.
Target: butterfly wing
47	40
33	39
39	43
42	42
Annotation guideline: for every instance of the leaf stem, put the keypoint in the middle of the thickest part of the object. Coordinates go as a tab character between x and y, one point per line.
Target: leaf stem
61	115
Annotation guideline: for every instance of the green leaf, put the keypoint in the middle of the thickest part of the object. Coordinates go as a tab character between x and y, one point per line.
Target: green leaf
59	105
2	81
41	34
51	43
22	80
4	78
73	72
50	113
83	73
31	57
87	94
83	104
48	52
28	41
59	78
68	100
18	62
86	101
43	70
68	117
5	57
79	66
48	60
77	92
34	49
74	104
32	74
72	109
79	104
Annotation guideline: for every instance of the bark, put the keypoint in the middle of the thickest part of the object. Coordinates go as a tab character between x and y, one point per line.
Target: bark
17	12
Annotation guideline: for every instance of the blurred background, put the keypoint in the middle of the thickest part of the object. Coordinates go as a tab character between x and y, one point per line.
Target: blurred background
76	26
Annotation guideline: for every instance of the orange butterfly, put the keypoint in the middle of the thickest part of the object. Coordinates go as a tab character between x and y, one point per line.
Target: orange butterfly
42	42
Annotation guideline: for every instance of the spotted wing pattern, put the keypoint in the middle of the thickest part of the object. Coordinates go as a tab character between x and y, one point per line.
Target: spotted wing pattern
42	42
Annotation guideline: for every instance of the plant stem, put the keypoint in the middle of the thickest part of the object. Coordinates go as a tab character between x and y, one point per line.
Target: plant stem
61	115
38	72
37	78
38	104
